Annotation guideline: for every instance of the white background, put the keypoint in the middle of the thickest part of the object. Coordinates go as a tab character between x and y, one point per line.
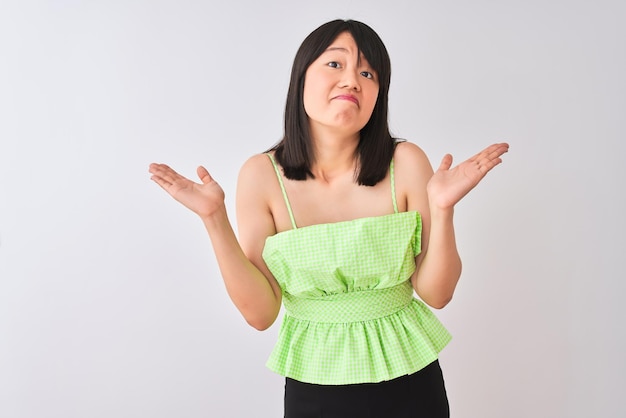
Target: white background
111	304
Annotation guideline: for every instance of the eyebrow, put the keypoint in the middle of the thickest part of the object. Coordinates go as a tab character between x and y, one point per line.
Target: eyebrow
336	48
345	50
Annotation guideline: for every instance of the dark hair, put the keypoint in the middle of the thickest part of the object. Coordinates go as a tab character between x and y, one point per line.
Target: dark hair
376	145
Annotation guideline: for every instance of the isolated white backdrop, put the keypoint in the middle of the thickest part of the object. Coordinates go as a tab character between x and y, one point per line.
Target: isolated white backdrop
111	304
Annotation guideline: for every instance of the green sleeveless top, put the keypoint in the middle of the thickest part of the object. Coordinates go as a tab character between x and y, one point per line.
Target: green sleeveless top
350	315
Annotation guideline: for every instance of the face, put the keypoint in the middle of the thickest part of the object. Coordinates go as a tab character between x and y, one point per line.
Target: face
340	88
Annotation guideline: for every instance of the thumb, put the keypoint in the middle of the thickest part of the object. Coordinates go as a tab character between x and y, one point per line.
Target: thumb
204	175
446	162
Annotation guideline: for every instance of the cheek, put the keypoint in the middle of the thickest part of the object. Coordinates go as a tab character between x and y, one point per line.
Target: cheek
307	101
307	90
312	94
372	99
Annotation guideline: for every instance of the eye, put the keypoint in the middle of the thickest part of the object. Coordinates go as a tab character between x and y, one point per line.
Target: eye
334	64
367	74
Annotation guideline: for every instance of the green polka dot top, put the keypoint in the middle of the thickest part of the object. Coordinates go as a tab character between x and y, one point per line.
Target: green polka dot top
350	315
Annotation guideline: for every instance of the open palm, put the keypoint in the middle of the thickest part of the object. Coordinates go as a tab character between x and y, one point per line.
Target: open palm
202	198
449	185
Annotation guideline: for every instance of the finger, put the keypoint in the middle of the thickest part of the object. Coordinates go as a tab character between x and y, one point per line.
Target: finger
496	150
158	167
491	156
165	185
204	175
492	151
486	165
446	162
165	172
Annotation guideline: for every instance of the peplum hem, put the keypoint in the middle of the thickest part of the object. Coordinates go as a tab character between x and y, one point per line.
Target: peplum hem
368	351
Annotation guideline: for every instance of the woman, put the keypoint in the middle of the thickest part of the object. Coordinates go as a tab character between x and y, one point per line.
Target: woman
342	223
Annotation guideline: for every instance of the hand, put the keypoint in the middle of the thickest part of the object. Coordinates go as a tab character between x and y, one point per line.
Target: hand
203	199
448	186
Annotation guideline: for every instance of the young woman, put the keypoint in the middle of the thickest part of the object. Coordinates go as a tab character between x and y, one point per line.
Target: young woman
343	224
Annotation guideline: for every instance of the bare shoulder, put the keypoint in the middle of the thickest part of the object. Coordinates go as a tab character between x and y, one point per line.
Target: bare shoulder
255	188
411	161
412	172
255	185
256	174
256	165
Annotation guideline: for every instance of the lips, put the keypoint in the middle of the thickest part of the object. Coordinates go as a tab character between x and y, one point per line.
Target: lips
349	98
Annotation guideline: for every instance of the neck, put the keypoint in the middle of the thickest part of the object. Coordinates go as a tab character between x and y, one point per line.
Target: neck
334	155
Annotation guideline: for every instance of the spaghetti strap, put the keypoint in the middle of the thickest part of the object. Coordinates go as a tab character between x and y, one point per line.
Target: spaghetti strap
282	188
393	187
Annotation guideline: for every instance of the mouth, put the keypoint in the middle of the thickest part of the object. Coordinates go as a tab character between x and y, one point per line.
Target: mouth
349	98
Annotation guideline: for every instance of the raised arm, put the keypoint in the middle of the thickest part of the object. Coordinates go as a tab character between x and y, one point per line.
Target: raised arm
249	284
434	196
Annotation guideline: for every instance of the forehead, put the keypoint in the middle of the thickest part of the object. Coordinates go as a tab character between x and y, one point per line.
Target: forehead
344	43
344	37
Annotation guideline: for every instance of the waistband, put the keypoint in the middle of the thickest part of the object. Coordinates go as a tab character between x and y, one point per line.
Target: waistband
348	307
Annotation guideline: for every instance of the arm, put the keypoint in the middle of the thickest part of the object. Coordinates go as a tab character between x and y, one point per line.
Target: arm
249	284
434	196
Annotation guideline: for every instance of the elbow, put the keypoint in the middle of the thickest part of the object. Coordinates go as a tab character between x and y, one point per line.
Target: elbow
261	323
260	317
435	299
440	303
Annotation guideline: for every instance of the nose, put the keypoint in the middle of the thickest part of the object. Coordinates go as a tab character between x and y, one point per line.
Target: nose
350	80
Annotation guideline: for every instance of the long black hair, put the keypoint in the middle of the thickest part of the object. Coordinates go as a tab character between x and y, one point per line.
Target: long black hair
294	152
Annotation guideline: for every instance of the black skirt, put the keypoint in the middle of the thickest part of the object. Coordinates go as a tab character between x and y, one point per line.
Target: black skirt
418	395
